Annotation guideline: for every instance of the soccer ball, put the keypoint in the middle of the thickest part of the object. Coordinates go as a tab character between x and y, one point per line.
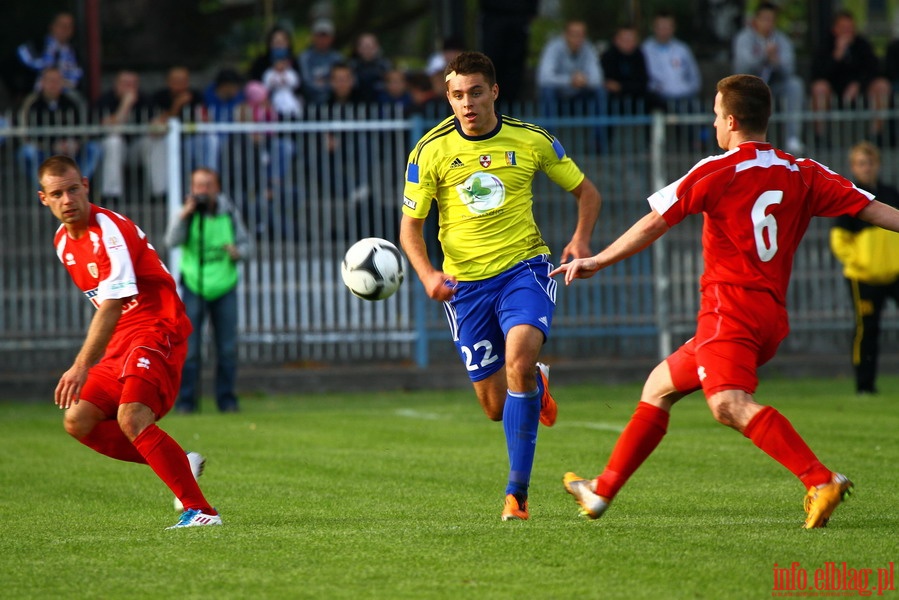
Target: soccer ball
372	269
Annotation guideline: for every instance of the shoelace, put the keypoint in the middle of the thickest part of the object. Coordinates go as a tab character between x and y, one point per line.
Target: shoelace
187	516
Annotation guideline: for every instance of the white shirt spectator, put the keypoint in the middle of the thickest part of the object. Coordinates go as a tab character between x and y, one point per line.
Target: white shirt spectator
673	71
282	84
569	63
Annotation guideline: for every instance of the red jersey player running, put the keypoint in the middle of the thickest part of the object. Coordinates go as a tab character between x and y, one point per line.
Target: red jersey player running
127	374
757	202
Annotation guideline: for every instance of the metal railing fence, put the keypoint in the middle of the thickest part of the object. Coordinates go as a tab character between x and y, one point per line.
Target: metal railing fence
308	189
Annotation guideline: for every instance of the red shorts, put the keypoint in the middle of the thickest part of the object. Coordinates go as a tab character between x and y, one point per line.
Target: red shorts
737	331
148	370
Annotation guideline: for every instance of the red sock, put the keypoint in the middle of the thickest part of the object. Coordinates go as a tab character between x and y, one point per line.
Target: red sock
640	437
773	433
169	461
107	438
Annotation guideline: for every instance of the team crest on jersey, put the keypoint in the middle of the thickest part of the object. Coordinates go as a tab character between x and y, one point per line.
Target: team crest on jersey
485	160
482	192
510	158
93	269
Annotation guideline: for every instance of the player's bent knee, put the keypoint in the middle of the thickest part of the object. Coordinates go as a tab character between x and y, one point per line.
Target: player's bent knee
521	375
133	418
77	427
131	426
732	408
722	414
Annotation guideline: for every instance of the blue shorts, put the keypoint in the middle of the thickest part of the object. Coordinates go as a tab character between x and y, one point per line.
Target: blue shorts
481	313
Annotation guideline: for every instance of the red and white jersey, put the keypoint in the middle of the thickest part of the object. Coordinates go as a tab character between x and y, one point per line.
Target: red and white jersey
115	260
757	203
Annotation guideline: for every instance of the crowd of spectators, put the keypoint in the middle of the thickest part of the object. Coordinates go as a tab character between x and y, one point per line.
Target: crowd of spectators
573	74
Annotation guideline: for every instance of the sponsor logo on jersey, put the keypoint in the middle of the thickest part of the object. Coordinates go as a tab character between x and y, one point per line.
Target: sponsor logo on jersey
410	203
510	158
114	243
481	192
457	162
122	285
485	160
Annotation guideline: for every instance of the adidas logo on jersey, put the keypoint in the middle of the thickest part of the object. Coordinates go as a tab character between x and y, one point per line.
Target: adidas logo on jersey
456	163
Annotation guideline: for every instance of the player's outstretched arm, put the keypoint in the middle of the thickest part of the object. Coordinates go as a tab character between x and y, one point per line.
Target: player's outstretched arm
99	333
641	234
880	214
589	203
438	285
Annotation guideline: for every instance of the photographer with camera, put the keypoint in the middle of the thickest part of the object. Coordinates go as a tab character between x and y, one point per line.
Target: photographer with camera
213	239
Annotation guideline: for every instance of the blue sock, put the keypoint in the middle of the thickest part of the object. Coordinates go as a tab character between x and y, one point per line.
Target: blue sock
521	417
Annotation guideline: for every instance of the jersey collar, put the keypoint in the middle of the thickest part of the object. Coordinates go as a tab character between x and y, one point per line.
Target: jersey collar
476	138
756	144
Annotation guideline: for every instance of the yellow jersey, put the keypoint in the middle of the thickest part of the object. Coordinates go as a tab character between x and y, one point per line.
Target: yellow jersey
483	189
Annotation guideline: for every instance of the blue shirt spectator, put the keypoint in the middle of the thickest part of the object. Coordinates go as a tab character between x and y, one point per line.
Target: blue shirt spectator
223	96
56	52
316	62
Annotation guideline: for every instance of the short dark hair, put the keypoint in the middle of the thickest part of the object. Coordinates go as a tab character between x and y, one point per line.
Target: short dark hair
748	99
275	31
472	63
763	6
341	64
57	166
419	81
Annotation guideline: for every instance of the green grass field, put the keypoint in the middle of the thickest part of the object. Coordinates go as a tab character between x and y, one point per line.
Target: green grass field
398	495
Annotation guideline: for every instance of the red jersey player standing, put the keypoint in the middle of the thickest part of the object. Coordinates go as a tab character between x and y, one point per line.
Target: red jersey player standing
127	373
757	202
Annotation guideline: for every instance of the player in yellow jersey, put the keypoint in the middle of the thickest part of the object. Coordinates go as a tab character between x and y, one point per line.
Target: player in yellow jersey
494	282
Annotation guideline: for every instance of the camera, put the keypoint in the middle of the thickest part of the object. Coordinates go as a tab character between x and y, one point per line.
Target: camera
202	202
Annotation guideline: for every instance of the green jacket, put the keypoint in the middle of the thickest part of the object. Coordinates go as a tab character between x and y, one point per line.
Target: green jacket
219	270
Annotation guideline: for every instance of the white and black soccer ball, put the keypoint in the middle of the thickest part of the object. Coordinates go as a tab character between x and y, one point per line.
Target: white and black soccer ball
372	269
